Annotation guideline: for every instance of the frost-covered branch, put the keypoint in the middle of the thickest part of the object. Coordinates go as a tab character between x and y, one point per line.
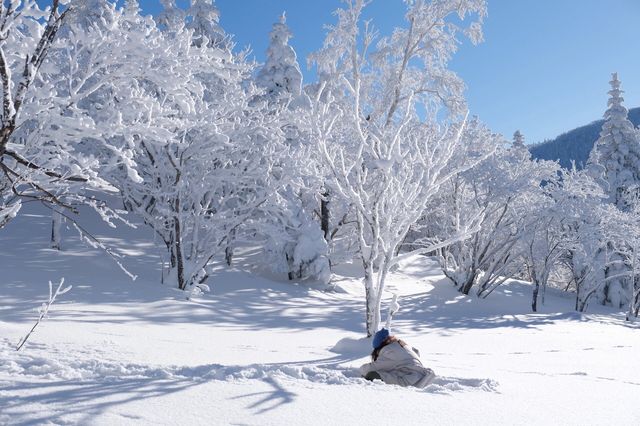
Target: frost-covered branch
44	309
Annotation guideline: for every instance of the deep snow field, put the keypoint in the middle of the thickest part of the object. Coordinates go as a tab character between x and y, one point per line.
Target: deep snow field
259	350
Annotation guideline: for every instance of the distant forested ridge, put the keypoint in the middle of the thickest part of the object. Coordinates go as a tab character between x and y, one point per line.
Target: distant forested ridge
575	144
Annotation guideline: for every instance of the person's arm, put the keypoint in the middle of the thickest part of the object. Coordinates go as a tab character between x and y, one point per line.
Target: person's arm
385	362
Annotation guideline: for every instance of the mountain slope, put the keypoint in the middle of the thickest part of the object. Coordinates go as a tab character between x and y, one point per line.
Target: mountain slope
575	145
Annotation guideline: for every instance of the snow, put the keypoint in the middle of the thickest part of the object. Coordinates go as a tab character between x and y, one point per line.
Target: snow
258	351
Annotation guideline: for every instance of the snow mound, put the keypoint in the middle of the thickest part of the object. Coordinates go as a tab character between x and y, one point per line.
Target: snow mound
351	346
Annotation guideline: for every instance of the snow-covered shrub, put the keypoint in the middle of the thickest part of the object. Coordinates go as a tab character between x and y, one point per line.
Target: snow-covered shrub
295	244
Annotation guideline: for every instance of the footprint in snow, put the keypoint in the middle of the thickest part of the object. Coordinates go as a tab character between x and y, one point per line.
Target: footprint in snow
447	385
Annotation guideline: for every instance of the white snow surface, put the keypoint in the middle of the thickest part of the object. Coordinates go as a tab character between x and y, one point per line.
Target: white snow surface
258	351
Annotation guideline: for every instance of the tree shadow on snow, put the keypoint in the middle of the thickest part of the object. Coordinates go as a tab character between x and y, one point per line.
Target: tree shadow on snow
247	302
270	400
449	311
85	399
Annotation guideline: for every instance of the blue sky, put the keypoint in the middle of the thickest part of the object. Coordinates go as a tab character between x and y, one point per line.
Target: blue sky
544	66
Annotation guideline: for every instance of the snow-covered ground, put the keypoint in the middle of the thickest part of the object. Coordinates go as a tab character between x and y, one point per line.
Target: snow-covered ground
256	351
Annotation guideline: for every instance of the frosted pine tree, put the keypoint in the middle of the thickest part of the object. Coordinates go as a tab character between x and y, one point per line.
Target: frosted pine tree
518	147
518	140
281	73
617	152
618	148
296	242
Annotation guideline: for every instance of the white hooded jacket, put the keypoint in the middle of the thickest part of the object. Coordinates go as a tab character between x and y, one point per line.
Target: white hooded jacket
400	365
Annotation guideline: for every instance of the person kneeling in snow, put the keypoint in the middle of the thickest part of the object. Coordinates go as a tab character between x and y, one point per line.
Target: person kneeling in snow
396	363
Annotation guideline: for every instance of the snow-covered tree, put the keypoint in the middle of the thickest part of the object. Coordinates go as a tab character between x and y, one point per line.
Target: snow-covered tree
205	153
281	75
518	140
503	191
204	21
618	148
70	132
578	205
518	146
395	94
295	240
617	154
295	243
558	232
623	233
172	17
26	35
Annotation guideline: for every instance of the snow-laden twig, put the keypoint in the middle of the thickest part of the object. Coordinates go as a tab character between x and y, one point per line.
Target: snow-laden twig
44	309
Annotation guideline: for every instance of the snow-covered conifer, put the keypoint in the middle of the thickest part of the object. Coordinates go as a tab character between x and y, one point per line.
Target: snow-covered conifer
281	75
618	148
518	140
518	146
617	153
293	233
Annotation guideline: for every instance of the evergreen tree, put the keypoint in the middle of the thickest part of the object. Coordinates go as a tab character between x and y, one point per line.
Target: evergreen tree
518	140
617	150
281	75
519	148
617	156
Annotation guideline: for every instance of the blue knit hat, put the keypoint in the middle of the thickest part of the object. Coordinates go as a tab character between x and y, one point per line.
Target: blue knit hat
380	337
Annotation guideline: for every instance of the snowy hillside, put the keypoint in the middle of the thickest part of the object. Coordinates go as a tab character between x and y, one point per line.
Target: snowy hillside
575	145
262	352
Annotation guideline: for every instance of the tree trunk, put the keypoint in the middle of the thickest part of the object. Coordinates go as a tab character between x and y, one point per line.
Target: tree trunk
370	300
581	305
173	260
5	133
228	251
182	284
228	255
634	303
56	228
465	288
383	270
325	215
289	271
534	300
